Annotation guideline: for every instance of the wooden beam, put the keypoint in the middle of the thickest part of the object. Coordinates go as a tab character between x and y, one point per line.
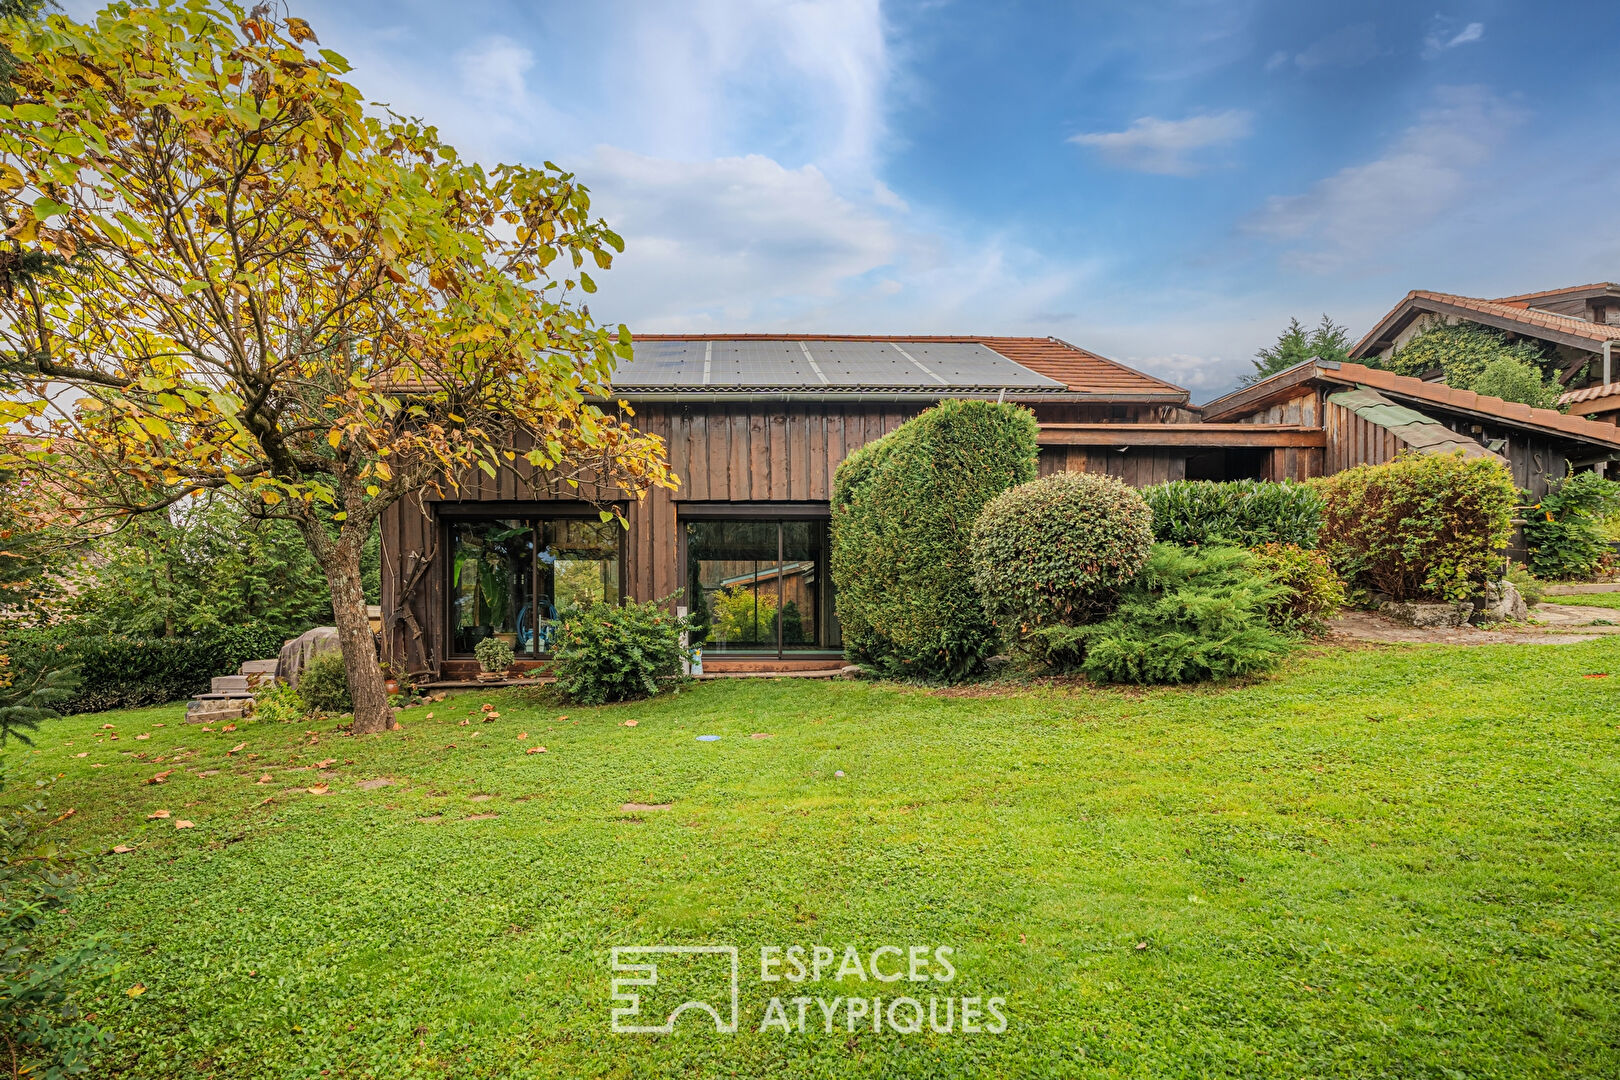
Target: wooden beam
1201	435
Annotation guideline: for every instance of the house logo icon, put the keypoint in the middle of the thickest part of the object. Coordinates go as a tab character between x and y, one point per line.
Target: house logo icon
641	961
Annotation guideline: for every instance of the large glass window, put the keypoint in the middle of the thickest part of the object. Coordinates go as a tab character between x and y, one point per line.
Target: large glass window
759	585
515	578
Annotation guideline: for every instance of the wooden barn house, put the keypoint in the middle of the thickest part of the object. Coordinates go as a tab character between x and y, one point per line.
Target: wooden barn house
756	426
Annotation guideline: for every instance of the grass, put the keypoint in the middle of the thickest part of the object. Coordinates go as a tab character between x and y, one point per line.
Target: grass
1601	599
1390	862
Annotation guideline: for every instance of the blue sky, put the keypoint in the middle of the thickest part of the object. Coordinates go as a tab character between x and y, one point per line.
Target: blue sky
1165	183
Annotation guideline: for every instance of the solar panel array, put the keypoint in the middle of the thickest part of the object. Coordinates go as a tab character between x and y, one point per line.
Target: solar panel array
830	366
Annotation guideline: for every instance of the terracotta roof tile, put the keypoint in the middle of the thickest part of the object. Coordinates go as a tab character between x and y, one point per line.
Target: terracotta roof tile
1591	393
1569	324
1520	298
1548	420
1080	370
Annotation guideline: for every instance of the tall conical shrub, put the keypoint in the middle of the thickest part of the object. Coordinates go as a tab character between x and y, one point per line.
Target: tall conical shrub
902	521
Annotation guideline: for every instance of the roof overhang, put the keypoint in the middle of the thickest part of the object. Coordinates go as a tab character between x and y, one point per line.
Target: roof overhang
1426	396
1206	436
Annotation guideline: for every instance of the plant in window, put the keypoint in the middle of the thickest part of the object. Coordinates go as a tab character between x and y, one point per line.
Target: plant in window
494	655
744	615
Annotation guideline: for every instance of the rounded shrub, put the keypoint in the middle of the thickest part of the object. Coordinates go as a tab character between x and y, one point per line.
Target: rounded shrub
1192	614
324	685
614	652
902	521
1055	551
1421	527
1312	592
494	655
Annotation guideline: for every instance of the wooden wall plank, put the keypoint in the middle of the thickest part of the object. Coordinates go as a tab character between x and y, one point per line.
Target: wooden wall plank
780	456
759	458
816	452
737	480
799	454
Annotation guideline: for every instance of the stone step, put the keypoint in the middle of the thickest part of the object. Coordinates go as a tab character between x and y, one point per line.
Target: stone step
231	684
243	696
258	667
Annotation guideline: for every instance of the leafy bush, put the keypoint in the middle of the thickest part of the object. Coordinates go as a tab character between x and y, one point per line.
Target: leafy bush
1190	615
1311	590
1512	379
1461	352
118	672
279	704
614	652
44	1030
323	685
1564	532
1530	587
1237	513
494	654
902	519
1055	551
1424	526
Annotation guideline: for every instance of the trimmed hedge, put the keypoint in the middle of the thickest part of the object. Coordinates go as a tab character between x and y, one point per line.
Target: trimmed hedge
1057	550
1236	513
1192	614
118	672
1421	527
902	521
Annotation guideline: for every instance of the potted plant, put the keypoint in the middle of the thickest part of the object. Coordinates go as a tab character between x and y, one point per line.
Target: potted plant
494	656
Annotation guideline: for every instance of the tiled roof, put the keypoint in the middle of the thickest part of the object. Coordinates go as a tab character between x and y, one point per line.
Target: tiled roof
1083	372
1591	393
1492	311
1408	425
1593	287
1548	420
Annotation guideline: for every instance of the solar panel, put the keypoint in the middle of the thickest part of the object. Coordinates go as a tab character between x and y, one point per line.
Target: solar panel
834	366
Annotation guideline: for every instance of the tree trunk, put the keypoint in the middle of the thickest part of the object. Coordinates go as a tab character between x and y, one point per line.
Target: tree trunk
341	562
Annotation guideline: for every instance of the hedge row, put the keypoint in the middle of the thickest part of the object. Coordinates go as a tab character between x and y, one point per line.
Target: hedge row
118	672
1236	513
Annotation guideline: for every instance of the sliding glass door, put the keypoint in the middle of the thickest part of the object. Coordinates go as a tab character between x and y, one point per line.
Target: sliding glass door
515	578
759	584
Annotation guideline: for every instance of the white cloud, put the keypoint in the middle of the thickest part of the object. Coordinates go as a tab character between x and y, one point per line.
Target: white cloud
494	72
1443	35
1363	209
1351	46
1163	146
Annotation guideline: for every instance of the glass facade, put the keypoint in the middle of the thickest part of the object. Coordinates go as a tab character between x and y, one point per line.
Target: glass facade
759	585
514	578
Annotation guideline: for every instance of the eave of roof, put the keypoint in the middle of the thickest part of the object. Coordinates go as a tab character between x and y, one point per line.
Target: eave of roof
1607	394
1439	395
1532	322
1596	288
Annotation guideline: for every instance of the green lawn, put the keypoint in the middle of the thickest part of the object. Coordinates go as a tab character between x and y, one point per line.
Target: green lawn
1600	599
1383	863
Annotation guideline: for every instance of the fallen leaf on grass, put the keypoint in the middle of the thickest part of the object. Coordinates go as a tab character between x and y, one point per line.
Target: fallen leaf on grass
143	735
208	729
184	824
326	762
157	814
237	749
1596	675
122	849
157	725
85	754
106	727
98	766
464	723
318	789
1140	945
522	735
228	727
429	716
629	723
560	719
161	778
535	750
137	990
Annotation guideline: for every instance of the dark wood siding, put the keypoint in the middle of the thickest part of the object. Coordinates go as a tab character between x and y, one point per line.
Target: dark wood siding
1138	468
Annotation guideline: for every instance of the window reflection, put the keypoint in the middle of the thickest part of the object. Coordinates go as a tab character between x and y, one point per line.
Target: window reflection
515	579
757	585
